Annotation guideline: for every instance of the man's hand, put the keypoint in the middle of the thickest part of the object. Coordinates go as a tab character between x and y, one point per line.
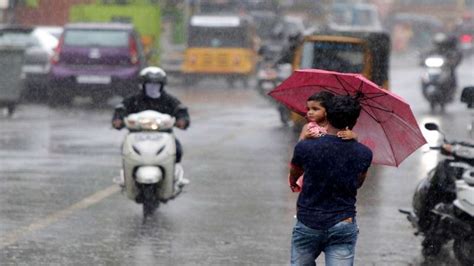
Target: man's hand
181	123
447	149
293	185
295	173
117	123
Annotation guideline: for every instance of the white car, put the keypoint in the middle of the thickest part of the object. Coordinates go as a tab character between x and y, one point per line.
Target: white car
37	60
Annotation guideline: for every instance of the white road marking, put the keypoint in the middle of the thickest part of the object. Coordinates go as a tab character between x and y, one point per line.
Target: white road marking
14	236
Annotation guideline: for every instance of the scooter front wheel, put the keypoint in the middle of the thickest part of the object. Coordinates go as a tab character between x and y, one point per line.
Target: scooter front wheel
431	247
150	203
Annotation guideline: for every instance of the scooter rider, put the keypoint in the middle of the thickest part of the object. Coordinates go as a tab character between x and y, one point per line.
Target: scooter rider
447	46
152	96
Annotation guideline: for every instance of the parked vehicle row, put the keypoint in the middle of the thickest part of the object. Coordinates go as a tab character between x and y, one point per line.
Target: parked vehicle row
95	60
443	202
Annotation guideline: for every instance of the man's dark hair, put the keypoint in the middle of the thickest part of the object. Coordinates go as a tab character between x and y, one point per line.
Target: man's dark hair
322	97
343	111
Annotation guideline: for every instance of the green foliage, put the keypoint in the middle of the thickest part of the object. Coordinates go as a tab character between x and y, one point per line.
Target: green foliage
145	17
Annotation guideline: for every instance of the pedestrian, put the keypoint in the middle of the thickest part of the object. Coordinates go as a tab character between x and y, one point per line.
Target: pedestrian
334	169
317	121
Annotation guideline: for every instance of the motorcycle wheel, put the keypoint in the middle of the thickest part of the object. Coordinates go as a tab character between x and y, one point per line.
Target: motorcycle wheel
150	203
464	250
431	247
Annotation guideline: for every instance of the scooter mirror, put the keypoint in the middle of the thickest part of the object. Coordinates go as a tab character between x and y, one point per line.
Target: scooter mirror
467	96
431	126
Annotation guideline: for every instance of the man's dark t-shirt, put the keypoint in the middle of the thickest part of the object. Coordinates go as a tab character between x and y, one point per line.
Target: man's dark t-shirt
331	170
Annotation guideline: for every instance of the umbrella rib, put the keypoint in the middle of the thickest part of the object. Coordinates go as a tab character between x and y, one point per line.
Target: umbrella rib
376	95
340	82
371	115
331	89
378	108
385	132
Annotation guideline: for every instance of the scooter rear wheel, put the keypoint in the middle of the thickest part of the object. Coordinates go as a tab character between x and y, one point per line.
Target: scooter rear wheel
464	250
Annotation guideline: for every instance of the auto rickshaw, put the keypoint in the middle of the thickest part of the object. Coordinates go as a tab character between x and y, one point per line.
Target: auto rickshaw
220	46
367	53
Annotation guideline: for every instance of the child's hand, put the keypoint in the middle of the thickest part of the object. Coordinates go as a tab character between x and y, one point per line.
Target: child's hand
347	134
311	134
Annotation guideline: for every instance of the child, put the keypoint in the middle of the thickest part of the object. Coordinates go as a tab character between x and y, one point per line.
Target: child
317	122
316	117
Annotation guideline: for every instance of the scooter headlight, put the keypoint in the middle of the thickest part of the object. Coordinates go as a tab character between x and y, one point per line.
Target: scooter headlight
149	124
434	62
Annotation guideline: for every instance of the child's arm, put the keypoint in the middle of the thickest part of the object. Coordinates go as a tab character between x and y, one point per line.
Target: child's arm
347	134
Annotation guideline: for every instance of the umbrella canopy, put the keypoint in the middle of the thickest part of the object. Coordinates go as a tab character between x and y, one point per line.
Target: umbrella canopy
386	123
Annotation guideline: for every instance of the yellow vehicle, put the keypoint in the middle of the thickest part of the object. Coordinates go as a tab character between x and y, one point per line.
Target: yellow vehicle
367	53
222	46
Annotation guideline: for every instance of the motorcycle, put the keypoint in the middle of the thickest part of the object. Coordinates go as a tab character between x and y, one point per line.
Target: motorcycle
438	82
439	200
462	219
270	75
149	156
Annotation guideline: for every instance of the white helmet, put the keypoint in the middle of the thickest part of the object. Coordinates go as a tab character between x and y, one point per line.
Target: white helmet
153	74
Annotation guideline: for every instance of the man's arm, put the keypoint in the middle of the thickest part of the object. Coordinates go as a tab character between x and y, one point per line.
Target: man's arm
296	167
295	173
361	179
182	116
121	111
117	118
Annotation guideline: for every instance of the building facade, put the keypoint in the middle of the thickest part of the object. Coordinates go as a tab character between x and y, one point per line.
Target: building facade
47	12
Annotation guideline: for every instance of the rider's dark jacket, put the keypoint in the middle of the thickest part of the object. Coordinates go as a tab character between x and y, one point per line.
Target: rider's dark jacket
166	104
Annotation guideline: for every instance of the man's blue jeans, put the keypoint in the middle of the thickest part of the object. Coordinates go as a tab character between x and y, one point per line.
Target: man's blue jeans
338	244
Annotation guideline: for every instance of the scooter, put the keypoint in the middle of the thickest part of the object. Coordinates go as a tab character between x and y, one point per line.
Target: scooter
435	195
149	160
462	219
438	82
270	75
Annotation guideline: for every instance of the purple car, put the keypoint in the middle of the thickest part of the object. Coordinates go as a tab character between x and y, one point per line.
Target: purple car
95	60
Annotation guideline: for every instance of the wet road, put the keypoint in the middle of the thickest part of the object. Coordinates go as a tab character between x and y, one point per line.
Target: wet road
58	205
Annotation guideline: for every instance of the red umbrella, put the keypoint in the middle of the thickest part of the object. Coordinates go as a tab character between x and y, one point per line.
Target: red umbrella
386	124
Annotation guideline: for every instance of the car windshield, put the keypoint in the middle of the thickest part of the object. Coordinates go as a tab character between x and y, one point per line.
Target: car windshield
333	56
217	37
96	38
354	15
17	39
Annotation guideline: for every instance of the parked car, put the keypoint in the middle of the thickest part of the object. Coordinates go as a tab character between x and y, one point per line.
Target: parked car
13	42
38	62
96	60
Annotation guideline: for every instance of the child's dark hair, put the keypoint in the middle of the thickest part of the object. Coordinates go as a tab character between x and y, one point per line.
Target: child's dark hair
343	111
322	97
